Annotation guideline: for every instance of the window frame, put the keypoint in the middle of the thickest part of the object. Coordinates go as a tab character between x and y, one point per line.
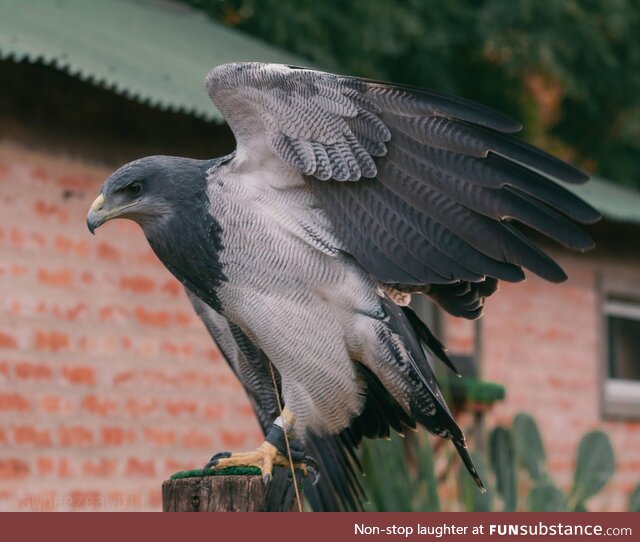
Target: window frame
619	296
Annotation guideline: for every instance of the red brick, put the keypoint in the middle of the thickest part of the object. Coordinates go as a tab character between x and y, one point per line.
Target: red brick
70	313
15	308
245	410
138	283
139	407
123	377
47	210
86	277
155	498
60	278
3	437
136	467
184	318
101	467
55	405
51	341
152	318
233	439
172	465
100	407
76	435
178	407
13	468
32	371
75	182
172	287
81	375
28	435
197	439
18	270
160	437
7	341
214	411
64	469
191	378
14	401
45	466
67	246
177	349
39	173
116	436
109	252
113	313
17	237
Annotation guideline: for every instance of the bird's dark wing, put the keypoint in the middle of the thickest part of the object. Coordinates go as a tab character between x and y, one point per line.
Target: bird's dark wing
442	186
338	488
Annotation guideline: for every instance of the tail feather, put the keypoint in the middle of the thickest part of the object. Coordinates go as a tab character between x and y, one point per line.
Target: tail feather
427	404
461	447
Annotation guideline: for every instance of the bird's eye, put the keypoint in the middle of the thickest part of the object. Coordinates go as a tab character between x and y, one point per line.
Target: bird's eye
132	189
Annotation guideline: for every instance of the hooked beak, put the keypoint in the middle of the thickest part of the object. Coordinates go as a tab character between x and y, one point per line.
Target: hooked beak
96	216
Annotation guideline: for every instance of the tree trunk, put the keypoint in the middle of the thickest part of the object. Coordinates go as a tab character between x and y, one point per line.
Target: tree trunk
234	493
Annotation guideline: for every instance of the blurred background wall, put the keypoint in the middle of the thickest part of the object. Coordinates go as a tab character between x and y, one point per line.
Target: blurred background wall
109	383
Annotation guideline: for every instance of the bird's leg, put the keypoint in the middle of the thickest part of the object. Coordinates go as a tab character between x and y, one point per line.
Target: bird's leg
272	452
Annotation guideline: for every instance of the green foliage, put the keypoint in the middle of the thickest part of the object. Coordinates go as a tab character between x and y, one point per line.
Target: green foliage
516	461
471	498
529	449
634	500
502	459
390	485
595	465
546	497
569	70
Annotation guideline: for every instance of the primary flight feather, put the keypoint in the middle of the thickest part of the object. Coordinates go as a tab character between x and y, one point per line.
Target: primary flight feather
299	250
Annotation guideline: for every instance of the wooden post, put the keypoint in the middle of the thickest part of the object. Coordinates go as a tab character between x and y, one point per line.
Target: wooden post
232	493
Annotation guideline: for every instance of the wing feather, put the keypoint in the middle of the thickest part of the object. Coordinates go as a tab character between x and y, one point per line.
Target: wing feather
421	187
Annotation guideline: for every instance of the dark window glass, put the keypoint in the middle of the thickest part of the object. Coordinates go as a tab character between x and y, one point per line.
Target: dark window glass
624	347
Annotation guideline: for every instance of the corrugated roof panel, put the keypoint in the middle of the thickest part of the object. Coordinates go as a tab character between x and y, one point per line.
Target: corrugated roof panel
616	202
154	51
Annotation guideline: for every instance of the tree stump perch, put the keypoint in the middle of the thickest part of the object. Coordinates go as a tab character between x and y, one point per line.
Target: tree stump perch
223	492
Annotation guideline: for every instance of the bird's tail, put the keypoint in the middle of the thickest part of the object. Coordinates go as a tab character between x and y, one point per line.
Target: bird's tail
461	446
427	403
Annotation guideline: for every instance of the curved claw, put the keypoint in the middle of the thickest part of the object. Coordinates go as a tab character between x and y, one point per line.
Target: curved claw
216	458
312	468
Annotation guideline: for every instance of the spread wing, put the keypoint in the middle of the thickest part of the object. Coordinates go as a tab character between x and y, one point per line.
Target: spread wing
421	187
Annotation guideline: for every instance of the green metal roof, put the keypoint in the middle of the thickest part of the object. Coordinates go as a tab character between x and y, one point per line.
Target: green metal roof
153	51
158	52
616	202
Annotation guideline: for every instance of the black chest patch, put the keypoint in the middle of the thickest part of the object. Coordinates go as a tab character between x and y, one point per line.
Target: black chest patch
189	244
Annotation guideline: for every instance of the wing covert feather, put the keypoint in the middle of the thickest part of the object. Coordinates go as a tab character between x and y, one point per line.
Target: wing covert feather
423	188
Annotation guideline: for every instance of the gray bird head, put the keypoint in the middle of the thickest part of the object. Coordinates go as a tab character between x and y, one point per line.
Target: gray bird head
148	191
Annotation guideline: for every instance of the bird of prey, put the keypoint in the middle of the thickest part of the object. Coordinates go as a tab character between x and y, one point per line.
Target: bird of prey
300	250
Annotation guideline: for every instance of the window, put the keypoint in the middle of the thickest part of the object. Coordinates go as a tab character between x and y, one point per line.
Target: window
622	348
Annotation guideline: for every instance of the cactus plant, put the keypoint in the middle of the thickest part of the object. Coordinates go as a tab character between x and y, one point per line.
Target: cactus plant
634	500
595	465
469	496
546	497
390	484
502	460
528	446
516	454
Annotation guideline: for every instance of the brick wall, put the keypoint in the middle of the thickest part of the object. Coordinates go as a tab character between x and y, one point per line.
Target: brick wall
108	381
542	342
